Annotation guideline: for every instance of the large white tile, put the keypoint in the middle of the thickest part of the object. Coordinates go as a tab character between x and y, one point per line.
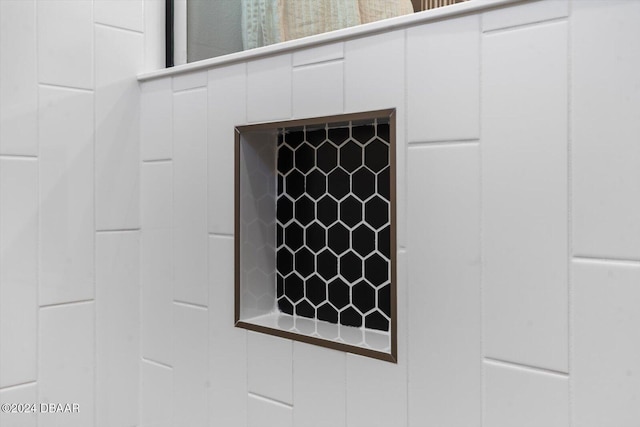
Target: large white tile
264	413
18	270
444	285
270	367
269	89
156	385
443	78
524	398
156	119
66	363
18	78
375	79
319	377
127	14
157	295
605	107
154	27
117	327
606	349
317	90
24	394
524	176
190	369
228	362
376	393
156	195
65	126
374	72
190	197
324	53
189	81
225	83
117	128
65	43
525	13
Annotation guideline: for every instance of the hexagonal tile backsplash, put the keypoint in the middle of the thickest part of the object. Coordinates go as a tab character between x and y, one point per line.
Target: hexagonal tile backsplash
333	225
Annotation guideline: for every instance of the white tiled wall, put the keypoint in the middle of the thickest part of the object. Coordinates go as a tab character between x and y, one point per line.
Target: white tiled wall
524	215
67	362
69	150
444	277
517	232
18	78
518	220
117	327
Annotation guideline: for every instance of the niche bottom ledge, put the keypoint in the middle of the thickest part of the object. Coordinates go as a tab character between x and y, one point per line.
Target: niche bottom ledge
362	341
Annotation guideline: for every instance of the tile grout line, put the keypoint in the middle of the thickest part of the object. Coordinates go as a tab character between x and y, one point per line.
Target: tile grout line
95	220
619	261
208	257
190	305
444	143
525	25
18	156
65	304
145	161
38	198
121	230
405	149
221	235
189	89
483	379
18	386
570	296
64	87
155	363
246	371
116	27
506	363
141	188
270	400
317	63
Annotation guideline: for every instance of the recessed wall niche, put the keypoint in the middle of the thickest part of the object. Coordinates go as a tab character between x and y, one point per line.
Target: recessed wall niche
315	231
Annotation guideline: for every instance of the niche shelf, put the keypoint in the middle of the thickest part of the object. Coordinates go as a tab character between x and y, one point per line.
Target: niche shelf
315	245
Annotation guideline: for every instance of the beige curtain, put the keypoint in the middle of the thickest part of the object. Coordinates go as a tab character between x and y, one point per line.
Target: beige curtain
266	22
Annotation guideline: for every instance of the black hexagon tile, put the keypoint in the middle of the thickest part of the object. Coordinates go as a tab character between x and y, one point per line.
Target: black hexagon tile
333	223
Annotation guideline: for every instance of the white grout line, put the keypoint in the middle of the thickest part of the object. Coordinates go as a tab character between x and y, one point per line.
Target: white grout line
65	87
18	157
615	261
505	363
156	161
525	25
270	400
221	235
122	230
318	63
452	143
64	304
570	298
18	386
115	27
156	363
483	381
191	305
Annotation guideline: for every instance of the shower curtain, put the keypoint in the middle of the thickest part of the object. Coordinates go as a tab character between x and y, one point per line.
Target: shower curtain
265	22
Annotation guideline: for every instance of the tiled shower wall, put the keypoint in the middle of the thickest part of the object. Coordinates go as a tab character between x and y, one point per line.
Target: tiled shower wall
69	205
519	238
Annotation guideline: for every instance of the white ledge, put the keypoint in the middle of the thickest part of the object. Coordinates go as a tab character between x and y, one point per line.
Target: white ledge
400	22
